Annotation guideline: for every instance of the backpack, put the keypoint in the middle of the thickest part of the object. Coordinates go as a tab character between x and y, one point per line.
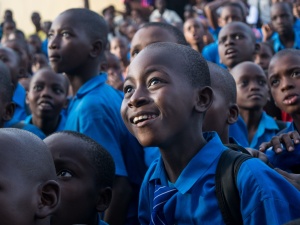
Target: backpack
226	188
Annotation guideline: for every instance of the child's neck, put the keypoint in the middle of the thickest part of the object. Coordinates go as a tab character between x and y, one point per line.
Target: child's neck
252	119
197	47
48	126
288	39
177	156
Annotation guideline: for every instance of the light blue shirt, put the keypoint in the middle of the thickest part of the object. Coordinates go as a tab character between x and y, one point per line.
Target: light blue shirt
19	99
266	197
210	53
277	45
267	128
95	112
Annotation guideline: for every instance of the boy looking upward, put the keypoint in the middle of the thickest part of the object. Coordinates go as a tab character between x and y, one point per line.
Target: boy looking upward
76	41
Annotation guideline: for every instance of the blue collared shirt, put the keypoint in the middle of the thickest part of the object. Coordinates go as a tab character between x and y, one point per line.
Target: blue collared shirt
267	128
95	112
266	197
19	99
277	45
210	53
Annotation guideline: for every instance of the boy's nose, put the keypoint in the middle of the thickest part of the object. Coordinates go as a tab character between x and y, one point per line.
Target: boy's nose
52	43
286	84
138	99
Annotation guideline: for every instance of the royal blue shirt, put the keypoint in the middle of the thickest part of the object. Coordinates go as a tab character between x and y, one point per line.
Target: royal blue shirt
95	112
266	197
19	100
277	44
267	129
210	53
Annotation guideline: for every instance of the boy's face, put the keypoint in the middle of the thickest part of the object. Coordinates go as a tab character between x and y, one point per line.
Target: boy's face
251	85
282	19
230	14
193	31
76	177
147	36
119	48
284	81
263	57
235	45
158	100
114	72
17	194
47	94
68	44
9	57
8	27
39	61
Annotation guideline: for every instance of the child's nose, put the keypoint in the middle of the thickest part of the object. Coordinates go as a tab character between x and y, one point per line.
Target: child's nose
138	99
53	43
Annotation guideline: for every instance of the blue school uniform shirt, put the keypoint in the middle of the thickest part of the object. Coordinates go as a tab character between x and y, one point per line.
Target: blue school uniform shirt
95	112
266	197
267	128
277	45
19	100
60	127
210	53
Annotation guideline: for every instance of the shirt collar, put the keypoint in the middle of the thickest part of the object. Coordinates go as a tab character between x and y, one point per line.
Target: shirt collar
193	171
91	84
279	46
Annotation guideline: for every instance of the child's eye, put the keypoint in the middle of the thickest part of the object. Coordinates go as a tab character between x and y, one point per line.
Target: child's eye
154	81
274	82
295	74
58	90
50	35
134	53
237	37
262	82
127	89
66	34
64	173
37	87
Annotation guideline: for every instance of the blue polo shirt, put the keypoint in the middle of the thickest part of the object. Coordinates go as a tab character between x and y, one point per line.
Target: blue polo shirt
60	126
19	99
267	129
266	197
277	45
210	53
95	112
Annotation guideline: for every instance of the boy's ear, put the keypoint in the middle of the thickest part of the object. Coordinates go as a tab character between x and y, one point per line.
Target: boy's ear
233	114
204	99
9	111
48	199
104	199
97	48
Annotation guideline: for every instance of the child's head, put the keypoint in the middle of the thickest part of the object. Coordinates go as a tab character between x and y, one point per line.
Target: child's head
114	71
6	94
29	192
231	11
119	47
36	43
36	19
251	85
46	26
237	43
224	100
47	94
282	18
264	55
13	62
193	32
284	82
165	93
85	172
39	61
81	46
9	26
296	8
155	32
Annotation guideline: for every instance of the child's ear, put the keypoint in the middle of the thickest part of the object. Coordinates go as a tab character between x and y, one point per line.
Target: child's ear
233	114
9	111
97	48
104	199
204	99
48	199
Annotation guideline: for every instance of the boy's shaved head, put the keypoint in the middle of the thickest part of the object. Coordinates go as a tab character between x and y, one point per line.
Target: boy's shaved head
28	152
287	51
194	65
223	81
6	86
91	22
180	39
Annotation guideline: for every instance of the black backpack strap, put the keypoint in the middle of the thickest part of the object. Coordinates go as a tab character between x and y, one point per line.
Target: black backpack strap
236	147
226	189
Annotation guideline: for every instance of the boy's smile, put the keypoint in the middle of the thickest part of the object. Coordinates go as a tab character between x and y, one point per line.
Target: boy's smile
151	100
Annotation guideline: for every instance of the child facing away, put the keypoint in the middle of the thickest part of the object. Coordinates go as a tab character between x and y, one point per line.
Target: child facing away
159	74
252	96
47	96
95	107
33	194
85	172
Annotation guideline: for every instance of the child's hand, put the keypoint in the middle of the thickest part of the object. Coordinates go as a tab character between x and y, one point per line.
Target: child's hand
260	155
288	140
267	31
294	179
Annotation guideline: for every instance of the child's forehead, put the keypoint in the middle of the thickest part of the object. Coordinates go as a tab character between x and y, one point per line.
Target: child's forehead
289	59
234	29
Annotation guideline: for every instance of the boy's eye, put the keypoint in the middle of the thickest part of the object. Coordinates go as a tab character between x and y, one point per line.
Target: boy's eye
274	83
66	34
134	53
127	89
153	81
50	35
64	173
58	90
37	87
237	37
262	82
295	74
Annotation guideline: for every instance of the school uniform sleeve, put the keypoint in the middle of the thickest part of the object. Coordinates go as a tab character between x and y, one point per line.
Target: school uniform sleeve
266	197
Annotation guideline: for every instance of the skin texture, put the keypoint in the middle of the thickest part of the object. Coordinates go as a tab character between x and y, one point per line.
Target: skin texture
236	44
230	14
193	32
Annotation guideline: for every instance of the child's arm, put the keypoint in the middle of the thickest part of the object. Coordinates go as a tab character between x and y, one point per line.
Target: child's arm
210	10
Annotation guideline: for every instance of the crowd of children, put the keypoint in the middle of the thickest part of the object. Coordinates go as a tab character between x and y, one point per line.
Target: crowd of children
134	112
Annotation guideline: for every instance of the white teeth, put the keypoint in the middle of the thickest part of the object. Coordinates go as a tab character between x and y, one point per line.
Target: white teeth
143	117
